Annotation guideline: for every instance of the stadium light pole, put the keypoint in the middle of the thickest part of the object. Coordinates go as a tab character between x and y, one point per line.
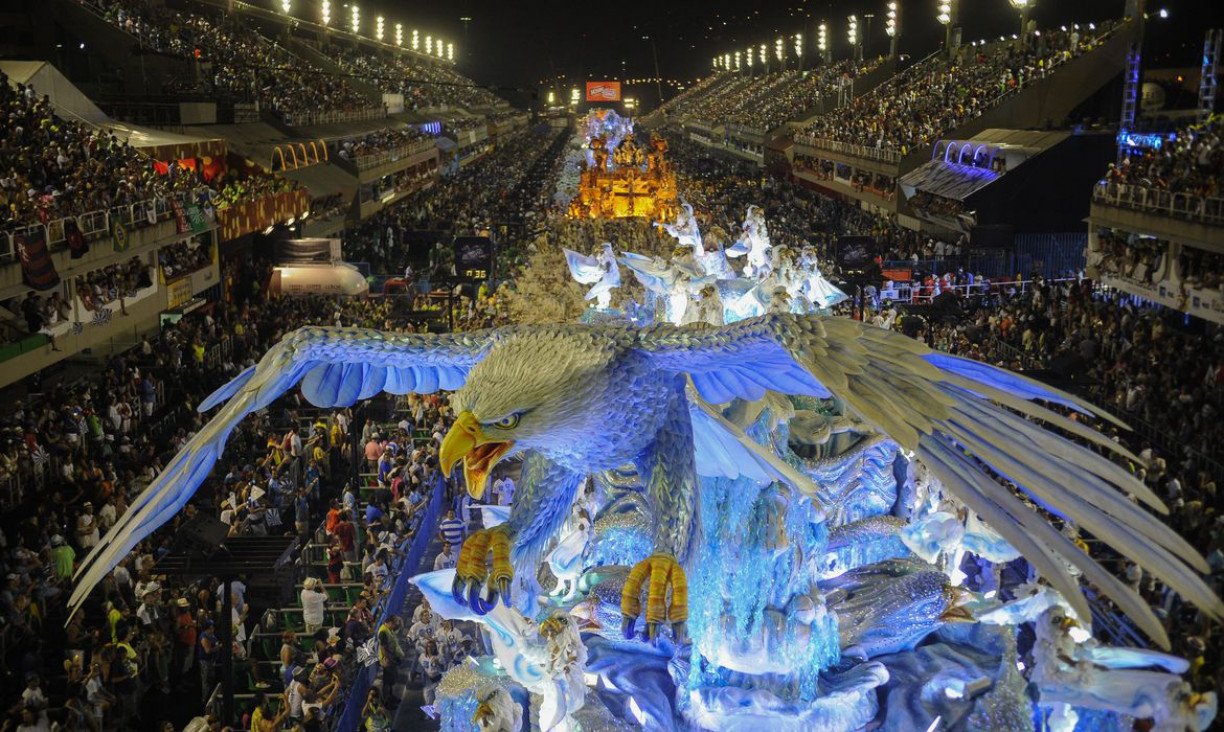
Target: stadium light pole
399	35
416	40
822	40
948	17
751	53
1023	6
654	53
799	49
763	56
379	24
325	12
355	20
780	53
892	26
866	42
852	36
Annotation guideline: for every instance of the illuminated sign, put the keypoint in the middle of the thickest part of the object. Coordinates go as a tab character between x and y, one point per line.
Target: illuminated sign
603	91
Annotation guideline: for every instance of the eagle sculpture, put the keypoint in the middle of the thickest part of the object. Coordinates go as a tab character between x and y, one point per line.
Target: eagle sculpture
577	399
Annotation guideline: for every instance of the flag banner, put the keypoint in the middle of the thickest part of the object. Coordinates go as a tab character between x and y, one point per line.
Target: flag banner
119	235
76	240
102	316
180	219
195	217
37	268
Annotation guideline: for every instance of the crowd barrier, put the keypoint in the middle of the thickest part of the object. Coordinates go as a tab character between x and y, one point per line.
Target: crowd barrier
349	718
309	119
373	160
1186	206
93	224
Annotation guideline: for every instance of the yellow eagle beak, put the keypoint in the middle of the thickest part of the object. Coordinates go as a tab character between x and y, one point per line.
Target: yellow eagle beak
466	441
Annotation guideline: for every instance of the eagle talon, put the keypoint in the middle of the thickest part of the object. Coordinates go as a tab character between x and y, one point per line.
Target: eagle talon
473	570
664	573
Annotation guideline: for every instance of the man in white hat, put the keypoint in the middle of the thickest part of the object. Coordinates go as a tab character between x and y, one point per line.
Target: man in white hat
150	611
87	527
314	601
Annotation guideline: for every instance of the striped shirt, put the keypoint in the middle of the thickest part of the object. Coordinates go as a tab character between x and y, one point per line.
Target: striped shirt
452	531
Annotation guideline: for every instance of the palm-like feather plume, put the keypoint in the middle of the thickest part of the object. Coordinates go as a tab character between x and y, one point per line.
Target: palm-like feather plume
955	415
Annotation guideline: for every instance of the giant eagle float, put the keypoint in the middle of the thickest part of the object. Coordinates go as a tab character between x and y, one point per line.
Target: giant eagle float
576	399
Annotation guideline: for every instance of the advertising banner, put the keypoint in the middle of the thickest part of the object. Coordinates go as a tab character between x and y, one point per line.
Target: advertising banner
603	91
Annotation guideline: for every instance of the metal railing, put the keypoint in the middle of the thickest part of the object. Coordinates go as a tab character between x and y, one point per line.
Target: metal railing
373	160
92	224
1178	205
310	119
883	154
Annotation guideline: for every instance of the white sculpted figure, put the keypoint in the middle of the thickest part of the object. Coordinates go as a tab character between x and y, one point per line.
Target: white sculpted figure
754	242
548	660
600	271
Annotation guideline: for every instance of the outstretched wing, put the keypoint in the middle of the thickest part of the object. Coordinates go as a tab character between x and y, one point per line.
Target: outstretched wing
648	272
586	270
336	367
965	420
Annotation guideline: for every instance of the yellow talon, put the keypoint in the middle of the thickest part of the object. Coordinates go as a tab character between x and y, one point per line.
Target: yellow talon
472	569
663	572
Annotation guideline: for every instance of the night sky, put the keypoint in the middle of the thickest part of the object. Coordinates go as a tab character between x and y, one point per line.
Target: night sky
517	45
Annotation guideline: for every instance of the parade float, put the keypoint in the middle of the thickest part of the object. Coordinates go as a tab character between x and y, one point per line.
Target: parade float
737	512
616	176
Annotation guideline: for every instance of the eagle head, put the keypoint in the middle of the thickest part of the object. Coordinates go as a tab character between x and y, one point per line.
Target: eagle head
532	390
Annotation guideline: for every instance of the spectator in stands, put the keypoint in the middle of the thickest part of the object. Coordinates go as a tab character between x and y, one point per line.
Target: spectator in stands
451	530
446	559
390	656
314	603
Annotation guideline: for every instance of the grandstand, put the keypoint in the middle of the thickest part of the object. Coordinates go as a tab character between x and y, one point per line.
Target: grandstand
160	179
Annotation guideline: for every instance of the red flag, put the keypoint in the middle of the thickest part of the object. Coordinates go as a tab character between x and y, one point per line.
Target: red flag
76	240
37	269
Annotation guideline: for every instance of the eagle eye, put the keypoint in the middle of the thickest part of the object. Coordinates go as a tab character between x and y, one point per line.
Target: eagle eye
509	422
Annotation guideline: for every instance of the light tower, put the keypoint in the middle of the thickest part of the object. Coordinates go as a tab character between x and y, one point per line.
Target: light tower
822	41
780	53
416	40
852	35
763	56
799	49
892	26
379	23
948	17
749	55
1023	6
325	12
355	20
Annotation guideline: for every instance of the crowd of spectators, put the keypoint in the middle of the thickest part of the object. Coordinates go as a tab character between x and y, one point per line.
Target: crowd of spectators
104	286
145	647
233	59
1191	163
505	188
55	168
1150	262
58	168
373	143
927	101
183	258
424	84
764	101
